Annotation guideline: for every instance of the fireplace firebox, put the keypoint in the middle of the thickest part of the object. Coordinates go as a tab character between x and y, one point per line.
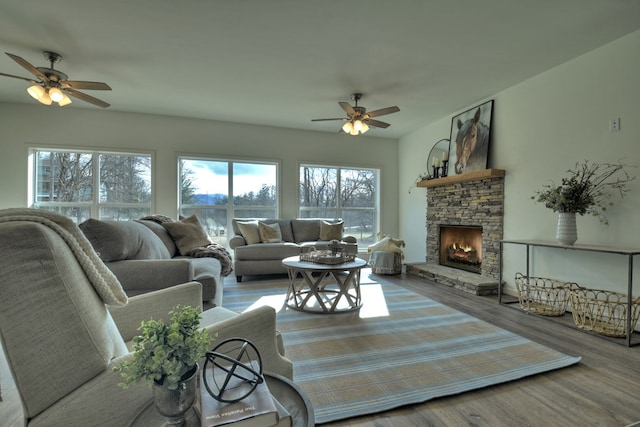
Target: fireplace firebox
461	247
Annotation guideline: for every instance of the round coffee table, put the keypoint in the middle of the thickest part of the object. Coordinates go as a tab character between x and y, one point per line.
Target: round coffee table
308	291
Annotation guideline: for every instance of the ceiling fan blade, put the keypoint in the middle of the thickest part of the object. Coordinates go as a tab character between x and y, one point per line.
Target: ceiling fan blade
324	120
75	84
18	77
87	98
347	108
30	68
376	123
383	111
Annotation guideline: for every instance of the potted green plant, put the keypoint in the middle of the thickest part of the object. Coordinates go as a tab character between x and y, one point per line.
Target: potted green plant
587	189
166	355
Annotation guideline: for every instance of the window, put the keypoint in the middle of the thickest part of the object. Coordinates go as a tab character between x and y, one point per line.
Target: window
347	193
64	182
205	186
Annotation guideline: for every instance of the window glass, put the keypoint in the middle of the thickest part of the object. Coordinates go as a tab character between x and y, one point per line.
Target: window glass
347	193
64	182
63	177
205	186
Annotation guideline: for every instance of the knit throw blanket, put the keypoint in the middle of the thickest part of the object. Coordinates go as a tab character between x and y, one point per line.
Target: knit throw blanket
212	250
101	278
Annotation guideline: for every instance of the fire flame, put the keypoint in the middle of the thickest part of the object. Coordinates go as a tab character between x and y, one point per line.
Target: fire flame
461	247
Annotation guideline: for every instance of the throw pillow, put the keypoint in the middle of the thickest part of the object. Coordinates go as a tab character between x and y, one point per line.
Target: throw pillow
119	240
249	230
269	233
331	231
187	233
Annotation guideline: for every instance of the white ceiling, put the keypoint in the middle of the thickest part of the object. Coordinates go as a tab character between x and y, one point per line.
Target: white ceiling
285	62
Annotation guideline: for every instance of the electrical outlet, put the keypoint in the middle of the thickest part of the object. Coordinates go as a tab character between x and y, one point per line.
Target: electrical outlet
614	125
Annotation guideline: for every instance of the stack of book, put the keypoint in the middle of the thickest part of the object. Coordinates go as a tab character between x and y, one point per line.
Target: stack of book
259	409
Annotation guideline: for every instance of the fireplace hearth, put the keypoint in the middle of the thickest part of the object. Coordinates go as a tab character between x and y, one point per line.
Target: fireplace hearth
461	247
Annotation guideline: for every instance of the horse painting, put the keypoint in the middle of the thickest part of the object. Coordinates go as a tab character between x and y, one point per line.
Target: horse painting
472	144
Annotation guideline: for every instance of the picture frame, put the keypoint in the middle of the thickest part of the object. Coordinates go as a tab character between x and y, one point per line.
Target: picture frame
470	139
439	153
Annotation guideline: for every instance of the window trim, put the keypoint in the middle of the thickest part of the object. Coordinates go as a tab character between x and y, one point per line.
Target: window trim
231	161
95	203
377	210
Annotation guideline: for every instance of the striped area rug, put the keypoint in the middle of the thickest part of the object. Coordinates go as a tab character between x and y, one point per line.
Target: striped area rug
399	348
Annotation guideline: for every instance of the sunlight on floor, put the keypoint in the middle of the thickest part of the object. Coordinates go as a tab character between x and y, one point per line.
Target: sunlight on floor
275	301
374	303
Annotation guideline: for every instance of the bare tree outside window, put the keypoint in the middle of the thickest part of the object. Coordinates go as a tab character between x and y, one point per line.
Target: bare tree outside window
351	194
66	182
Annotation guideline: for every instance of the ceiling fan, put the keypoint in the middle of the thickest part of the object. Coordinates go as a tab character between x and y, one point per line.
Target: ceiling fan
53	85
358	120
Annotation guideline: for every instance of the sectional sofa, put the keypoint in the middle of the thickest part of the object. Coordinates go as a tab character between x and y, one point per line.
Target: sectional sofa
146	255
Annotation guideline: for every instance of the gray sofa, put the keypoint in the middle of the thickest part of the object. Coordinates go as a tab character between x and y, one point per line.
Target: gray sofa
144	257
257	253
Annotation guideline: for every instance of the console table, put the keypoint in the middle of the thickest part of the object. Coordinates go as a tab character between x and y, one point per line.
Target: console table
629	253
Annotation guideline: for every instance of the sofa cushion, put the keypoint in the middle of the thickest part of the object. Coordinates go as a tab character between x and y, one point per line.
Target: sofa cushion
120	240
187	233
285	226
249	230
305	230
331	231
266	251
162	233
269	233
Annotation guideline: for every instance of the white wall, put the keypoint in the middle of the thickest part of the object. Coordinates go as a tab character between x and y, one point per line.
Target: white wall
540	128
24	125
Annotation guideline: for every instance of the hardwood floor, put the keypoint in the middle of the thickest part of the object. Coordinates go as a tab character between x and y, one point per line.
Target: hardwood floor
602	390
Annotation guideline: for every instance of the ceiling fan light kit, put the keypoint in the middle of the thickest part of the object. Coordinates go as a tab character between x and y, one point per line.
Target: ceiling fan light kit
355	127
358	121
36	91
48	96
53	85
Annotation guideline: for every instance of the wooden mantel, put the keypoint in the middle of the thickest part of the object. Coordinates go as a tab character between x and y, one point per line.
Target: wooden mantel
465	177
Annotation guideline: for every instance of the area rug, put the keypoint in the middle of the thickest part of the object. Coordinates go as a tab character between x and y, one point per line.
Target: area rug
399	348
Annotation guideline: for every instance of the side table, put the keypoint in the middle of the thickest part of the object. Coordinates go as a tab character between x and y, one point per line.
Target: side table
286	391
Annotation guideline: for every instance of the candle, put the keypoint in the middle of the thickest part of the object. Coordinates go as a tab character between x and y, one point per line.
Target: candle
437	163
433	161
445	155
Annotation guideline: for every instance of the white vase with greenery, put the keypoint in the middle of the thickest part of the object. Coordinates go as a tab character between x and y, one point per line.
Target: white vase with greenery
166	356
587	189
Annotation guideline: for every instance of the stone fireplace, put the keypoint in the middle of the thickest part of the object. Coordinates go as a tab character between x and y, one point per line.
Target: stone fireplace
469	203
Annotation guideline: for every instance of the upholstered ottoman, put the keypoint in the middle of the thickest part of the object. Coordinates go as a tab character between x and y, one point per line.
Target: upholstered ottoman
383	262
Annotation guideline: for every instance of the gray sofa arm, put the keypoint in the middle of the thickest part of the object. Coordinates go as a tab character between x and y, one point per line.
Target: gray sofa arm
236	241
151	274
154	305
257	326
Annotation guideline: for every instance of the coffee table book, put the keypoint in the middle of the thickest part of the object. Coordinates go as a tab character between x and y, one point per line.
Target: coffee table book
256	410
284	417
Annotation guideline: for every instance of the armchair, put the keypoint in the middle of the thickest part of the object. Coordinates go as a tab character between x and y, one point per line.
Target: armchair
62	341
